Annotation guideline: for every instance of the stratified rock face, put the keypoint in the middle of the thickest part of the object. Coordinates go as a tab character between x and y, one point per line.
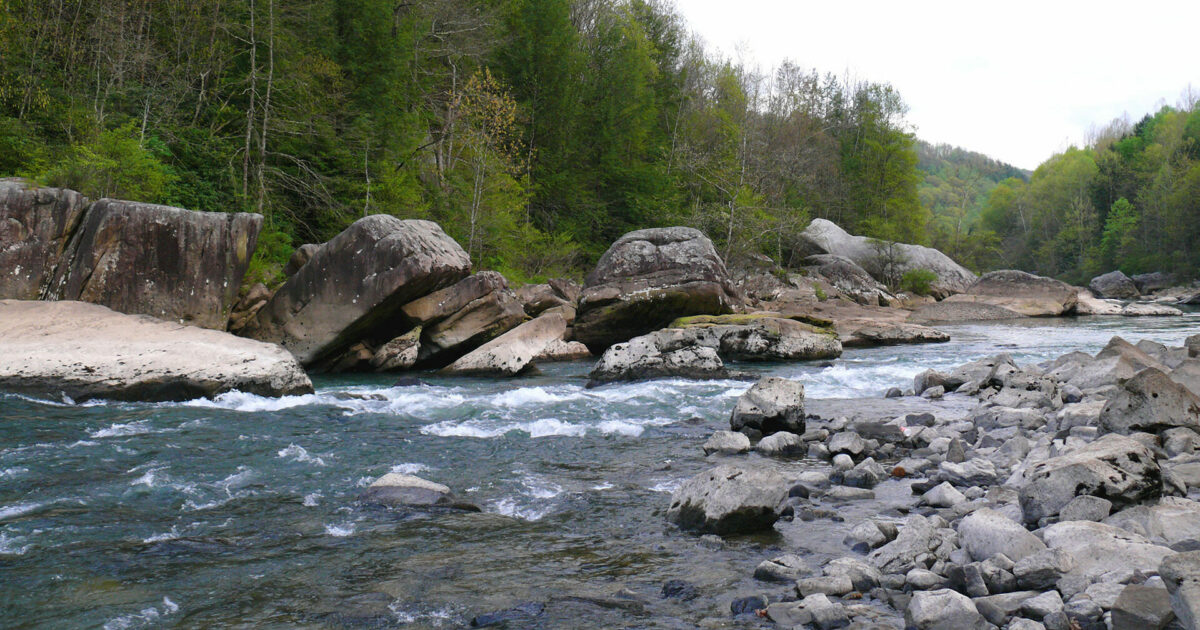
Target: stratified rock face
728	500
825	237
171	263
512	352
648	278
1114	284
1025	293
1113	467
87	351
357	283
36	225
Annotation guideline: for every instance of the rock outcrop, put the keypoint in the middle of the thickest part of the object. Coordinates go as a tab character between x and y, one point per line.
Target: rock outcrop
355	285
698	347
881	259
1114	285
648	278
134	258
946	312
36	225
88	351
1025	293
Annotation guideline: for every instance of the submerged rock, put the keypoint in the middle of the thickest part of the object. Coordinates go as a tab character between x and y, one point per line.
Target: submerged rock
87	351
646	279
397	489
728	500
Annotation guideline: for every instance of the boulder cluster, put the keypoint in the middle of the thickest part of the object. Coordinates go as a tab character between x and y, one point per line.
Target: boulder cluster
1061	495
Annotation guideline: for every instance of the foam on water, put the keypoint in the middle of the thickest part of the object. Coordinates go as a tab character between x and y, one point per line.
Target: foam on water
18	509
509	506
409	468
240	401
144	618
312	499
11	545
340	530
121	430
298	453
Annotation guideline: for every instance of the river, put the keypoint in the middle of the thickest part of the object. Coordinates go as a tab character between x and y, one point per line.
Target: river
241	511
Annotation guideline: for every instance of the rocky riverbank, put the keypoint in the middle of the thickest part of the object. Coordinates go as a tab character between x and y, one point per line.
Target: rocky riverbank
1061	495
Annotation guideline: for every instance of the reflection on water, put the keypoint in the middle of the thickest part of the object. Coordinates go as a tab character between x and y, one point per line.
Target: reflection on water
241	511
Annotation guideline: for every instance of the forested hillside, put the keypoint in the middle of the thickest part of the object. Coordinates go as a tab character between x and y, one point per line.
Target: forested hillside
534	131
955	188
1130	200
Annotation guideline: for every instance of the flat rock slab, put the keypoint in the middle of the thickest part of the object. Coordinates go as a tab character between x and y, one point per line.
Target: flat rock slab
87	351
950	408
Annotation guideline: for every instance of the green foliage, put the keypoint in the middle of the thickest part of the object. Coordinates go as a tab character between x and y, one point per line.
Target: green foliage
918	281
820	293
270	257
118	165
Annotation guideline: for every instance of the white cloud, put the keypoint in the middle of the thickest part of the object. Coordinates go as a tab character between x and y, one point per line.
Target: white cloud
1017	80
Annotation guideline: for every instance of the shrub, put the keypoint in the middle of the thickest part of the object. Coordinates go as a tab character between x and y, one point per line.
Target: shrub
918	281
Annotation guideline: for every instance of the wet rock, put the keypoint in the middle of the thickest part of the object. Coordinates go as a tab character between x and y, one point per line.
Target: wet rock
867	474
772	404
848	443
1114	467
513	351
1025	293
728	500
836	585
1114	284
727	443
356	284
1181	574
786	568
867	534
657	355
679	589
826	614
397	489
943	609
132	357
1151	401
522	614
1142	608
1098	549
789	615
1086	508
748	605
862	575
646	279
781	444
985	533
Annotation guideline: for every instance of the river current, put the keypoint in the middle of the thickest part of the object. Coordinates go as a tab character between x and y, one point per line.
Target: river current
241	511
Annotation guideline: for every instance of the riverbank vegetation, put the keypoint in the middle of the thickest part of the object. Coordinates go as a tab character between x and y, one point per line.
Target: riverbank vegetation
537	132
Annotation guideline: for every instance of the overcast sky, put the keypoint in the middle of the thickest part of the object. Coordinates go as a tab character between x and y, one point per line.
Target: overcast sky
1016	80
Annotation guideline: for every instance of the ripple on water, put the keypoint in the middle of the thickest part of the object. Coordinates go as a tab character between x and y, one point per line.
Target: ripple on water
298	453
146	617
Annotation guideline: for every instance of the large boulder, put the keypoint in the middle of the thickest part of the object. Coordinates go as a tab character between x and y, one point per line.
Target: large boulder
1114	284
36	225
171	263
860	334
648	278
1113	467
87	351
1097	548
771	405
943	609
698	348
881	259
354	286
1172	522
512	352
849	278
476	323
1151	282
1151	401
1025	293
443	303
919	540
729	500
949	312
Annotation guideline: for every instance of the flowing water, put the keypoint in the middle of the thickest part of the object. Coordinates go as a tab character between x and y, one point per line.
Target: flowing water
241	511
